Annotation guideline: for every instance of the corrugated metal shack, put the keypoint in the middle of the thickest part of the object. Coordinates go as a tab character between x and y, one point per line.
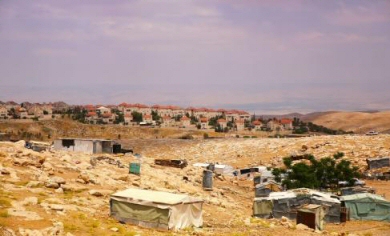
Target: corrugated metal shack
286	204
264	189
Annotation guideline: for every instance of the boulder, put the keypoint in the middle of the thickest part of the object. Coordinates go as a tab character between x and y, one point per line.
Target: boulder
99	192
302	227
4	171
58	180
51	184
34	184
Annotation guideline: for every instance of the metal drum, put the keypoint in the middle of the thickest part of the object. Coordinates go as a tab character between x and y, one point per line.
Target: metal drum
207	182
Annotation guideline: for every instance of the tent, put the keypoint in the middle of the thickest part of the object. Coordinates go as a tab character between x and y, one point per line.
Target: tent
156	209
287	203
367	206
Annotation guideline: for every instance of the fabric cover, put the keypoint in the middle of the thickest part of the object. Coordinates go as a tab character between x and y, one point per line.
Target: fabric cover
367	206
157	209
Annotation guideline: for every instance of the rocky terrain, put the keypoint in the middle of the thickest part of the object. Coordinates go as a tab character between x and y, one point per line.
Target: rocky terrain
65	193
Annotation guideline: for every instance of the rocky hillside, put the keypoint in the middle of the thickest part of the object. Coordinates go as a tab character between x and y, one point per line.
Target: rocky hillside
51	129
358	122
65	193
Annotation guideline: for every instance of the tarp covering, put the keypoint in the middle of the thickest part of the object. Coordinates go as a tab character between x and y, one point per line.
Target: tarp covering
156	209
287	203
262	208
367	206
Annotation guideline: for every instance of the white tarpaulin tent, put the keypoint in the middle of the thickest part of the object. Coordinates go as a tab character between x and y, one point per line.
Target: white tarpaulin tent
156	209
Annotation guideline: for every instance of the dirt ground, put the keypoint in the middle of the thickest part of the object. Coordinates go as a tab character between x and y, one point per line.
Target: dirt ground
227	209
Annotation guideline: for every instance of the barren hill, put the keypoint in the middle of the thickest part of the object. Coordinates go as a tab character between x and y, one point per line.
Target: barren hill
358	122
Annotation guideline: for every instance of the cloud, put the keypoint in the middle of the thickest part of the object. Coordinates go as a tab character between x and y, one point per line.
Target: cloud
360	15
316	37
54	52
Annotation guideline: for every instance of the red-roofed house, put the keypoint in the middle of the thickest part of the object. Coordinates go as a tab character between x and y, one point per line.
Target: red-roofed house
167	121
204	123
185	121
257	124
147	118
128	118
91	117
222	123
3	112
108	118
21	112
104	110
287	123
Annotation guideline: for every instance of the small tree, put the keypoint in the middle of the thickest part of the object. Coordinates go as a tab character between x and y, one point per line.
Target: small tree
137	117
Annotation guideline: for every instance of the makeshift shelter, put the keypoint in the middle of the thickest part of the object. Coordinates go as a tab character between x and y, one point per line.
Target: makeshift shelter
90	146
376	163
311	215
355	190
156	209
367	206
287	203
264	189
217	168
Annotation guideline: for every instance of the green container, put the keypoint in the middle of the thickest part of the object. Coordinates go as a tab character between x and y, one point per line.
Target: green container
135	168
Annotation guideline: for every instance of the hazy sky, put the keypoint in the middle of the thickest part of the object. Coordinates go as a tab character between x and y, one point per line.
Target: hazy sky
261	56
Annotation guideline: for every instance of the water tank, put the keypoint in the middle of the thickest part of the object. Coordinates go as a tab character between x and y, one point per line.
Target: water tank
207	182
135	168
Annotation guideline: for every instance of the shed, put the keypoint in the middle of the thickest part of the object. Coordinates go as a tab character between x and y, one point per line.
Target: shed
311	215
156	209
367	206
375	163
90	146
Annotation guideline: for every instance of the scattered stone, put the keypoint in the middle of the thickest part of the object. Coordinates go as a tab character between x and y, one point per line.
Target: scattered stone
52	184
34	184
302	227
59	190
114	229
99	192
57	207
4	171
58	180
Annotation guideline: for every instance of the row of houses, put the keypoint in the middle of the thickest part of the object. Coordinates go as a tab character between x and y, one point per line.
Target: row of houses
173	111
169	115
13	111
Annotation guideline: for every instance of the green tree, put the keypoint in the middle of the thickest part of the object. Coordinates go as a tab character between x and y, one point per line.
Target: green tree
325	173
120	118
155	116
137	117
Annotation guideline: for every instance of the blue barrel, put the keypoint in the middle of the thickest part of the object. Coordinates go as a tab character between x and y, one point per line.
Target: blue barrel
207	182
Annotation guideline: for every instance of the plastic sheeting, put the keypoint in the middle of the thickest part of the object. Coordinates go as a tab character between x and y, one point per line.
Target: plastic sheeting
366	206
